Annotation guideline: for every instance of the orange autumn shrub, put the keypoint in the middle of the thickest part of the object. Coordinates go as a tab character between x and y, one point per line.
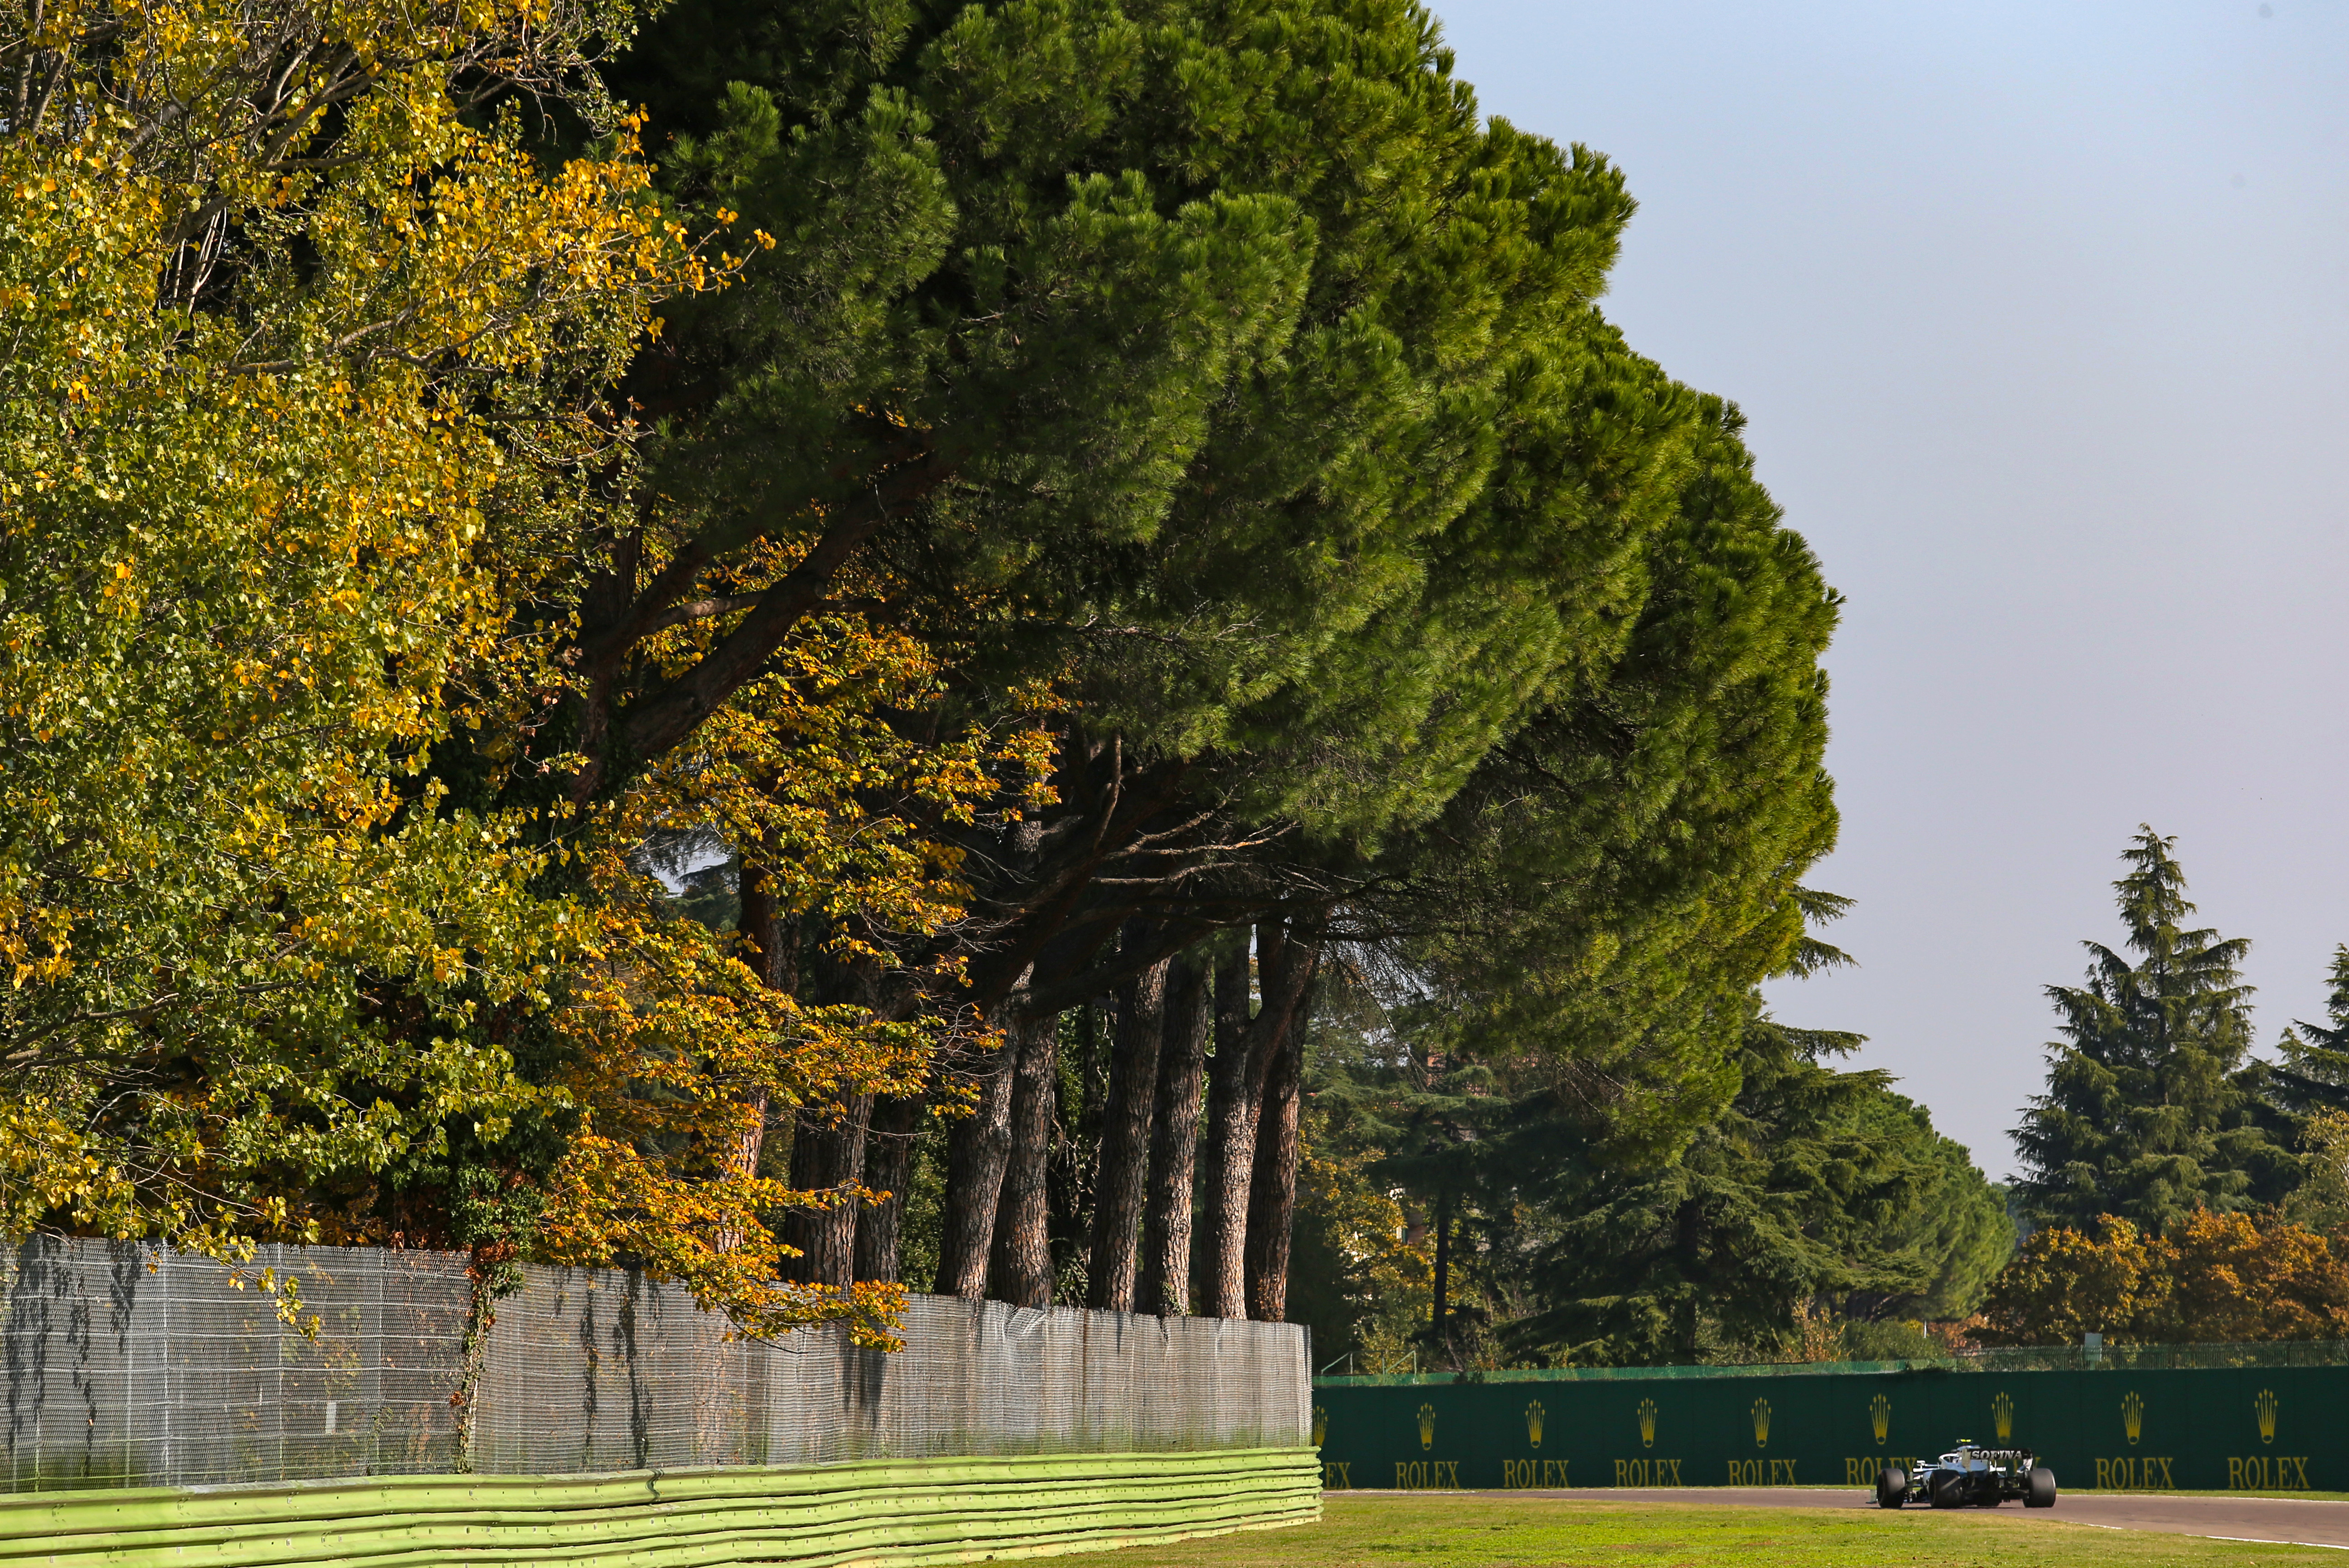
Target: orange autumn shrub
2237	1277
2064	1284
2216	1279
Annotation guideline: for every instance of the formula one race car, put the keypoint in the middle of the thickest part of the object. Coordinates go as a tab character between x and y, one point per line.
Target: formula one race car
1969	1477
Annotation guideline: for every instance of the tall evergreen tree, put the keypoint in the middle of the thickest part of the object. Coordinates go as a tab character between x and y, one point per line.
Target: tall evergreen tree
2152	1107
1817	1194
1232	370
2314	1074
1955	1233
1632	854
1816	1202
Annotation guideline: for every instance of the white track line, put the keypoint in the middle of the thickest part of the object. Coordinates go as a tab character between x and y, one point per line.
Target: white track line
2246	1540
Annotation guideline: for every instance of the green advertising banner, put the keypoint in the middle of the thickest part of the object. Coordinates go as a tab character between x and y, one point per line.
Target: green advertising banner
2280	1428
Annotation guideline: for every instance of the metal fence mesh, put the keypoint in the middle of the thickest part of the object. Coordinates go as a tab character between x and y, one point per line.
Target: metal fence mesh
128	1365
601	1370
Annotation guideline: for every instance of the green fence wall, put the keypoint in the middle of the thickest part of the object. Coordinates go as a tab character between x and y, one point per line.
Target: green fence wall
2284	1428
943	1510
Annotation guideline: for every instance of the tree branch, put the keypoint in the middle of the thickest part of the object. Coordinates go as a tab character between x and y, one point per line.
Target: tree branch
652	726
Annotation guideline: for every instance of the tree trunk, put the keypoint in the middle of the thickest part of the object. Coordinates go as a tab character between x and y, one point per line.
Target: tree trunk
1126	1140
1174	1143
828	1144
975	1152
888	1168
1272	1184
1230	1142
773	956
1443	1266
827	1154
1235	1108
1022	1264
1069	1175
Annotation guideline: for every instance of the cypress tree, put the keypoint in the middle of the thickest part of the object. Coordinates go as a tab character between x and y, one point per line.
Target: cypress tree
2152	1109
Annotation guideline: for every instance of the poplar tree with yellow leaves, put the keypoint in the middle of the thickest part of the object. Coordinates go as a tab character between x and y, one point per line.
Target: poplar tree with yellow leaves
309	417
296	319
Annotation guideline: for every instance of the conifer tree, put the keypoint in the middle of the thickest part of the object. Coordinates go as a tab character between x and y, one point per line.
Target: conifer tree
1632	851
1956	1234
1230	369
1575	1222
1226	364
2152	1106
1818	1196
2315	1073
1815	1192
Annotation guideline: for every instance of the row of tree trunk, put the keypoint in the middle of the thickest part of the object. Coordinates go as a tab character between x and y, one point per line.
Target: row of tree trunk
1200	1112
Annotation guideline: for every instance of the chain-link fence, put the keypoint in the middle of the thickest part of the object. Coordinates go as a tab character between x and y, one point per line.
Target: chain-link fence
127	1366
2151	1358
601	1370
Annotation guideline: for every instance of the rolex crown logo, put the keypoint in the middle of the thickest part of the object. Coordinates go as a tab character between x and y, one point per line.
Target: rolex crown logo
1879	1417
1761	1423
2133	1417
2002	1415
1647	1423
1533	1423
1427	1426
1321	1425
2265	1405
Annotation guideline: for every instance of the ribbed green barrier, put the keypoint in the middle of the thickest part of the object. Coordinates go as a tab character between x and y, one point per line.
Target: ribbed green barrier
2118	1426
888	1513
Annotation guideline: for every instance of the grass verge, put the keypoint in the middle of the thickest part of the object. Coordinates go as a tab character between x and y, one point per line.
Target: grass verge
2270	1496
1486	1531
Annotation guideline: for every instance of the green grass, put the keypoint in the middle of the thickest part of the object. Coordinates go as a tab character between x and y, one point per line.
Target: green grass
1473	1531
2278	1496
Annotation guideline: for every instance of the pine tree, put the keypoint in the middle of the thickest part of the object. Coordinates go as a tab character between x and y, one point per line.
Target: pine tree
1817	1193
2314	1074
1630	855
2152	1108
1956	1234
1401	1120
1231	369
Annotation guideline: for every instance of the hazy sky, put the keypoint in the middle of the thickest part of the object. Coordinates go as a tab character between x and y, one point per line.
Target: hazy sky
2041	317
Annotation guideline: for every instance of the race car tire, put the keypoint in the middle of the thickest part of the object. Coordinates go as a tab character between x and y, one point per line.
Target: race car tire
2039	1488
1947	1491
1892	1487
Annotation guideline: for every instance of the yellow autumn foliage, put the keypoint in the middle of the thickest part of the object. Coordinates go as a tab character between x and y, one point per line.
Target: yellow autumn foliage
305	421
288	317
681	1056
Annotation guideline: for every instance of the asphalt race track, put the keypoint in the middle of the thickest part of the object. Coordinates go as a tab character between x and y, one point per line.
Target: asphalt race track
2294	1521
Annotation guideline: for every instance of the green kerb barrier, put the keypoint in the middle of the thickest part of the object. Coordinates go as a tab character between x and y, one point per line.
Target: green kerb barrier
2271	1427
938	1510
